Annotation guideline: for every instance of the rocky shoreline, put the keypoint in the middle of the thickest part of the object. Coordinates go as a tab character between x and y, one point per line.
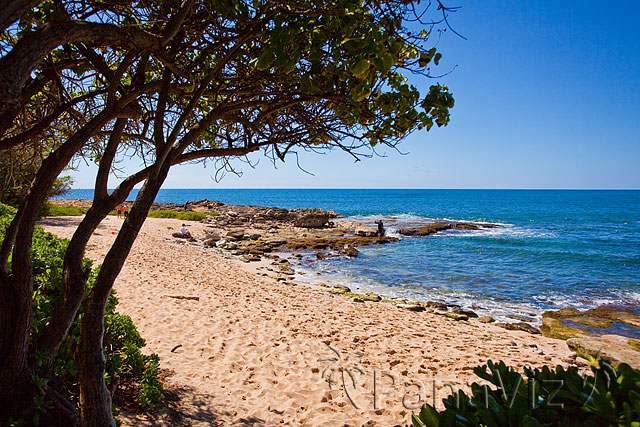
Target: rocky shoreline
254	233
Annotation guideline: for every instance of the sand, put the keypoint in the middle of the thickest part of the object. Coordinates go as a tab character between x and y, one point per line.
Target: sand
250	350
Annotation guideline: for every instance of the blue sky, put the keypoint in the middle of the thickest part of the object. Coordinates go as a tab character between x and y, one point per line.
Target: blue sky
547	96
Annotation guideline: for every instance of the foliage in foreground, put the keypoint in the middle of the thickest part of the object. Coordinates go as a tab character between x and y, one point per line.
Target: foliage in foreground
125	364
545	397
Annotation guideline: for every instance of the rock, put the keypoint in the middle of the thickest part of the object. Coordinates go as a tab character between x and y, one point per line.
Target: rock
210	243
370	296
467	313
457	317
250	258
465	226
350	251
426	230
569	322
232	214
180	236
411	307
614	348
486	319
521	326
213	235
341	288
235	235
437	305
255	236
312	220
570	358
364	231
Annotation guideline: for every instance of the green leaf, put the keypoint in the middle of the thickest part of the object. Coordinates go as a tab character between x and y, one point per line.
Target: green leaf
416	421
361	69
429	416
436	59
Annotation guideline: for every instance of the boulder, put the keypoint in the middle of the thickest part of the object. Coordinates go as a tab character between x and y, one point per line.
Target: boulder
437	305
235	235
213	235
364	231
350	251
313	220
210	243
456	316
486	319
467	313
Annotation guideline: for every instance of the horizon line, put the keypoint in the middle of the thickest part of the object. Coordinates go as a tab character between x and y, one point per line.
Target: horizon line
383	188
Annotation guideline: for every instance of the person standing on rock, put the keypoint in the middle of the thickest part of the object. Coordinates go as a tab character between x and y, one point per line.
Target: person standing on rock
381	229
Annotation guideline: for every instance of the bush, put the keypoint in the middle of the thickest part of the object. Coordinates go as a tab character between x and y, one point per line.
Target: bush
122	341
183	216
50	209
608	397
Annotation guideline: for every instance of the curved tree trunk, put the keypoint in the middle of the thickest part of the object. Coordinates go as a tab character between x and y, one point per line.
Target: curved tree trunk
16	289
95	398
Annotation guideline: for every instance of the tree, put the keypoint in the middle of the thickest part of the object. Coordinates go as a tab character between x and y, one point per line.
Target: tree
187	81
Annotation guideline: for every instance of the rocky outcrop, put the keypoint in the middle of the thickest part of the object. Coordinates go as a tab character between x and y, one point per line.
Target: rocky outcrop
614	348
312	220
437	226
602	332
425	230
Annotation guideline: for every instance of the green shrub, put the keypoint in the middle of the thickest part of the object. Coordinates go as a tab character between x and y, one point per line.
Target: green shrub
122	341
183	216
50	209
608	397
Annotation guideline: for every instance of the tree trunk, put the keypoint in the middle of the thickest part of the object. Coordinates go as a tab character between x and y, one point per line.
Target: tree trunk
15	391
95	398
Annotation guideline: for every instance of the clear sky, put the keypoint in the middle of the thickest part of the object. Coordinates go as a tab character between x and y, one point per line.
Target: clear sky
547	96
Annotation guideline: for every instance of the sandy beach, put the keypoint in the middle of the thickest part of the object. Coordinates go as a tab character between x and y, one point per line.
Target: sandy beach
237	348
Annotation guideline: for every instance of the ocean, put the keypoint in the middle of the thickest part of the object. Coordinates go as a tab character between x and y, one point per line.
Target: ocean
555	248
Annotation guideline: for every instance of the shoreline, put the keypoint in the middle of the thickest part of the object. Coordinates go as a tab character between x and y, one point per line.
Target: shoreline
255	348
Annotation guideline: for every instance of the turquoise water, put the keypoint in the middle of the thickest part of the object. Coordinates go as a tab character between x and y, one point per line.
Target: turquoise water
556	248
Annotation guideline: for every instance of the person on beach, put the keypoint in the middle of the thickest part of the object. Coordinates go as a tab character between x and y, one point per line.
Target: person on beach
125	211
184	231
381	229
119	211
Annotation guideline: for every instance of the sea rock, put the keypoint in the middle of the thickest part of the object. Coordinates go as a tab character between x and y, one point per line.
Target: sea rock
437	305
569	321
364	231
486	319
312	220
411	307
521	326
426	230
614	348
465	226
456	316
341	288
350	251
467	313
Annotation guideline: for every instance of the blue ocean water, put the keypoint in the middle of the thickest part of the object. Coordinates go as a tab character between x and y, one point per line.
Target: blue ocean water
555	248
